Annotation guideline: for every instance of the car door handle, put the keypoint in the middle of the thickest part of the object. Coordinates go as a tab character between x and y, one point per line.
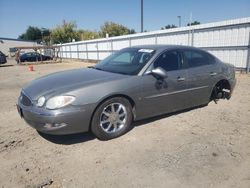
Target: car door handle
179	79
213	74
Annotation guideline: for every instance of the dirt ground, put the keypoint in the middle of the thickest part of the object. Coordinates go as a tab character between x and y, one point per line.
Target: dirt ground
203	147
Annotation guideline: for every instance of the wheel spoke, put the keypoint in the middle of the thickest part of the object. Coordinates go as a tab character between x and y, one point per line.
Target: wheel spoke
120	121
109	126
119	109
105	121
122	114
112	108
115	127
106	113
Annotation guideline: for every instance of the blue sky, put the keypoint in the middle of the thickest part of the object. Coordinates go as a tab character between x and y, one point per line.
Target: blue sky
17	15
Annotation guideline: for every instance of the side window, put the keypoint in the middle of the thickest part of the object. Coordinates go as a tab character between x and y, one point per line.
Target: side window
196	58
169	61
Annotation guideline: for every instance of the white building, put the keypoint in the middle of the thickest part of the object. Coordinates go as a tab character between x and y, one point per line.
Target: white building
7	45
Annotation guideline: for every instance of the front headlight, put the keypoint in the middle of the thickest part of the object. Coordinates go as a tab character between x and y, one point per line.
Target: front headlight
59	101
40	101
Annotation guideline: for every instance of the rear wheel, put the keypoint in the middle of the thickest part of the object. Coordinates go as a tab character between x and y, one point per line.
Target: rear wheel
221	91
112	118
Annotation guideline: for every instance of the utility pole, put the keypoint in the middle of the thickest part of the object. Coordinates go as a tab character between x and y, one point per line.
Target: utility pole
179	17
190	37
42	36
42	32
141	16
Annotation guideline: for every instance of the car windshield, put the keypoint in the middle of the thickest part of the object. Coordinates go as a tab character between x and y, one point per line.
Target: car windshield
128	61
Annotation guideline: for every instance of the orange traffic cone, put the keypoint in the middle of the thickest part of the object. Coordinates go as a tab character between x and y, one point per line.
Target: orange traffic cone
31	68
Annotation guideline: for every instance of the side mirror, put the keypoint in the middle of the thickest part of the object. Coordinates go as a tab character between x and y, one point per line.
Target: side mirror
158	73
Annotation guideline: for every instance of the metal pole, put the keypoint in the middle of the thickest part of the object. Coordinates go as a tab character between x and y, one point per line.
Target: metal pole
70	52
87	53
192	38
190	31
248	55
77	48
156	37
112	48
141	16
61	52
42	36
179	17
42	31
97	51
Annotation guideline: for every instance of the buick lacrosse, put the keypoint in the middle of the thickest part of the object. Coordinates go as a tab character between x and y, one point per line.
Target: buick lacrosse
132	84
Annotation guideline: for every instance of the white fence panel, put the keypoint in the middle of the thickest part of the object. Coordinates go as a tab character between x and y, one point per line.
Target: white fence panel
93	56
119	44
92	46
237	58
82	47
105	46
179	39
83	55
73	48
143	41
103	55
228	40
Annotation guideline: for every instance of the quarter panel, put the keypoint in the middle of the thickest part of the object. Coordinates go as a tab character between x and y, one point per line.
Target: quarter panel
201	82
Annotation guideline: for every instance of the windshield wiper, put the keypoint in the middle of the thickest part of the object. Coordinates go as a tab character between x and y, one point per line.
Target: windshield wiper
117	72
93	67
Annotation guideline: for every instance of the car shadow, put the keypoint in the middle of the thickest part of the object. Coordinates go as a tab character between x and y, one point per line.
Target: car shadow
87	136
68	139
156	118
6	65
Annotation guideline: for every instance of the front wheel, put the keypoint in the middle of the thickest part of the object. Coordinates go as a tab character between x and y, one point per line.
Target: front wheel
112	118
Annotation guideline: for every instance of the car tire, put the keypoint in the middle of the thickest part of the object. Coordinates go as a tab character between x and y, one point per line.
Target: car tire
112	118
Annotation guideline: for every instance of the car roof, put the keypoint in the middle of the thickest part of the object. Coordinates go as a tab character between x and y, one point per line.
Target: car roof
164	47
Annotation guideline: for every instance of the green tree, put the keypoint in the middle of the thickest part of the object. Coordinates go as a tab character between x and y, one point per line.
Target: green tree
87	34
46	36
32	33
194	23
35	34
114	29
65	33
169	26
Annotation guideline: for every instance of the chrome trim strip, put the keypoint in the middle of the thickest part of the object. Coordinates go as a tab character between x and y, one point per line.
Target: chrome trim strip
175	92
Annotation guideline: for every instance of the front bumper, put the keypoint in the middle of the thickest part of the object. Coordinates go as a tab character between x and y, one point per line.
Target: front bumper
68	120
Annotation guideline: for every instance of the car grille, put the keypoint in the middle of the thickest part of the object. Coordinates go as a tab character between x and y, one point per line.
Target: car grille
25	100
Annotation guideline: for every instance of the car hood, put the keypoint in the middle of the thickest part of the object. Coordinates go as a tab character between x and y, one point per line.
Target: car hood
65	81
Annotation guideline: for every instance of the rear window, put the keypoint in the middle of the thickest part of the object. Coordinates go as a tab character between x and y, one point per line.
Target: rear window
197	58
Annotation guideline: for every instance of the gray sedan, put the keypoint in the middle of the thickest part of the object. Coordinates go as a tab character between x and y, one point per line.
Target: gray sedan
132	84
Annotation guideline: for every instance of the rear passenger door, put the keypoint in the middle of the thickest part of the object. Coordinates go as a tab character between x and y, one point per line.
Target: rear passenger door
201	75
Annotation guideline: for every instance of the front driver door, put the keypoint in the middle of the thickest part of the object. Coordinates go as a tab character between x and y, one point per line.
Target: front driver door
161	96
